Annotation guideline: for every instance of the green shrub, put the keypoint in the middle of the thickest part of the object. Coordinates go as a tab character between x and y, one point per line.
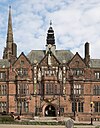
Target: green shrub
6	118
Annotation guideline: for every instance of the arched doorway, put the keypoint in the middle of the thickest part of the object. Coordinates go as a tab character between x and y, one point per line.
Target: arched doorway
50	111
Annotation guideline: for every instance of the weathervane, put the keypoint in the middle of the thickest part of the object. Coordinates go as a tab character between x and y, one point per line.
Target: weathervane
50	22
10	7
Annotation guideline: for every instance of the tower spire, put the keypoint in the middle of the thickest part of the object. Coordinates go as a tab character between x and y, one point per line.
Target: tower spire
10	31
10	51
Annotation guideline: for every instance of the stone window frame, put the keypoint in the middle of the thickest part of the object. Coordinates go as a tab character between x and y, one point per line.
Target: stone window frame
2	75
79	107
97	75
3	106
3	89
51	89
97	106
22	105
96	90
22	89
22	72
78	71
78	89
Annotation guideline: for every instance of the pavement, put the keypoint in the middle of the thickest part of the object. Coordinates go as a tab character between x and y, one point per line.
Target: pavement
44	126
29	126
96	124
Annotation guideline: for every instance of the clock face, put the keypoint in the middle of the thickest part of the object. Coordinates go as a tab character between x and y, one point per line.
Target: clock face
49	46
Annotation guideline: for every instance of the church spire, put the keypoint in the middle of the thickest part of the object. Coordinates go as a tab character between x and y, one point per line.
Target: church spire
10	51
9	40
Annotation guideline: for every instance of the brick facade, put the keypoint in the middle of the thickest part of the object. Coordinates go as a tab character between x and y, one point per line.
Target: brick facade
50	82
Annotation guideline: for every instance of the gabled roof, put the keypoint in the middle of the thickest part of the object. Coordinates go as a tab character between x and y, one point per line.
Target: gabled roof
74	59
52	55
22	54
38	55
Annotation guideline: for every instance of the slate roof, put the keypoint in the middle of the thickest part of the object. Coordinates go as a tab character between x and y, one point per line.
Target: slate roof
37	55
95	63
4	63
64	55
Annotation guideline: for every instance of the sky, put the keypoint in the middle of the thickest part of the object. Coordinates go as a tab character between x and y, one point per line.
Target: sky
74	22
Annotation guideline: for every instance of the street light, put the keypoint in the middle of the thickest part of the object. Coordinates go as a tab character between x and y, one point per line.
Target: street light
91	105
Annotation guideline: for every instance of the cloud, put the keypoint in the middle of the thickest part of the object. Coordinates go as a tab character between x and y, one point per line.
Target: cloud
74	22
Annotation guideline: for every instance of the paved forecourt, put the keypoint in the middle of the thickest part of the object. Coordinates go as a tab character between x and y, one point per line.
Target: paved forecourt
28	126
38	126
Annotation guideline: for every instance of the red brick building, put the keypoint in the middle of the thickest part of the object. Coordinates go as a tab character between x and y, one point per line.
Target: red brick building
49	82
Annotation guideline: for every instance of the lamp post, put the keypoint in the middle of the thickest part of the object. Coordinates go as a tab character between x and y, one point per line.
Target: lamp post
36	104
91	105
74	105
59	106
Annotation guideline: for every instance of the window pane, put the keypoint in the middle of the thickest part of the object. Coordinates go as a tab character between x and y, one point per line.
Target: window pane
22	89
97	106
74	106
96	90
80	107
3	89
78	89
3	106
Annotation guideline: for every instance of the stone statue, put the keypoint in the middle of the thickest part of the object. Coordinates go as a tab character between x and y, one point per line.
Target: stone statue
69	123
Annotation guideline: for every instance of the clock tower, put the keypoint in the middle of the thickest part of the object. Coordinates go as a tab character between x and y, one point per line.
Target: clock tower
50	46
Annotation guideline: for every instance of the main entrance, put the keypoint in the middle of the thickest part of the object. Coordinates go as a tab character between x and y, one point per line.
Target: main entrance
50	111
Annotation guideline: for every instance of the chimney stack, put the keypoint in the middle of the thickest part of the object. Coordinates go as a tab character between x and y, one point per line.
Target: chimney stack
87	56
